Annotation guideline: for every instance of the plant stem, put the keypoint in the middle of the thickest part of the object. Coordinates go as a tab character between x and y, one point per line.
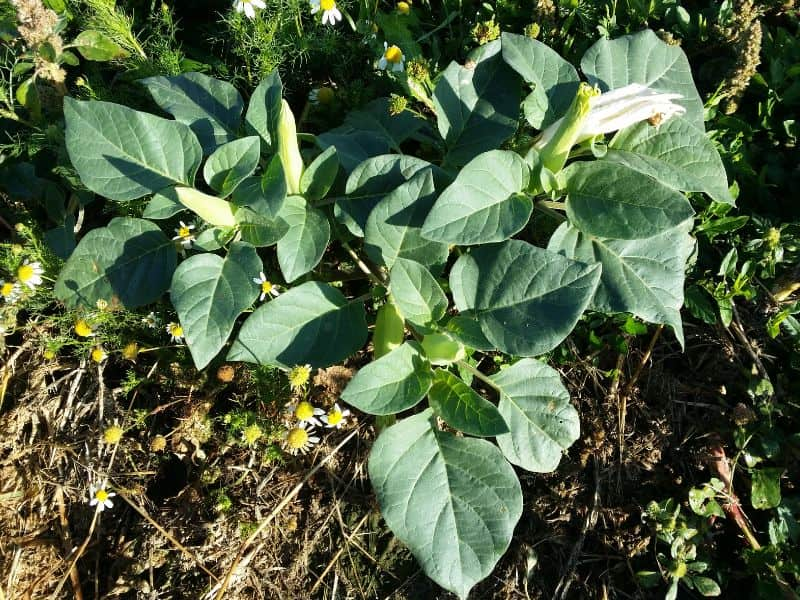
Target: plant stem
545	207
485	379
362	265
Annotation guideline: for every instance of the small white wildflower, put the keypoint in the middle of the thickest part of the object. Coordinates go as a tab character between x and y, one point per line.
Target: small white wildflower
330	14
9	291
175	331
392	55
100	498
184	235
30	274
305	412
267	287
246	6
300	439
152	321
336	417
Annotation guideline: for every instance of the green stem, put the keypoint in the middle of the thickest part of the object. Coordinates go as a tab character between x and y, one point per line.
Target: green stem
485	379
544	207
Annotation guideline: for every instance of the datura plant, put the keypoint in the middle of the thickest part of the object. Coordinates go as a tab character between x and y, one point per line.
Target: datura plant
440	250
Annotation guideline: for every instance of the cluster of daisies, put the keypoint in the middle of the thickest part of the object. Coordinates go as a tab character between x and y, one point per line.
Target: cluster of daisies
392	59
302	416
29	275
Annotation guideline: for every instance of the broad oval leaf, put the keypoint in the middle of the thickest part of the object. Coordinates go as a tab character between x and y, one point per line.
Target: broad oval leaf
642	277
468	331
124	154
231	163
675	153
129	259
263	194
526	299
372	179
211	108
264	111
391	384
353	146
319	176
259	230
611	200
417	293
536	407
163	205
394	226
297	327
643	58
94	45
209	293
554	80
301	249
461	406
476	106
453	501
483	204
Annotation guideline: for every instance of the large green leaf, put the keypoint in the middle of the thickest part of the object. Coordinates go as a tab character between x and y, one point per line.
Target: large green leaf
526	299
606	199
642	277
263	194
394	226
468	331
483	205
320	175
476	106
643	58
124	154
264	111
163	205
676	153
209	293
130	260
353	146
231	164
259	230
391	384
94	45
210	107
461	406
417	293
553	79
376	118
453	501
536	406
301	249
371	180
309	324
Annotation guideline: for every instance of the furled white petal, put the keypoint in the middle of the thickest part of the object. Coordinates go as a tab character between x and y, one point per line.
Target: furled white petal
249	11
382	63
239	6
258	3
336	13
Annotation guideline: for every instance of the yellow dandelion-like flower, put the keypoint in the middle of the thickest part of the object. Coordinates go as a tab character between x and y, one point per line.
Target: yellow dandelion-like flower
299	376
130	351
158	443
98	354
83	329
300	439
113	434
251	434
49	354
403	8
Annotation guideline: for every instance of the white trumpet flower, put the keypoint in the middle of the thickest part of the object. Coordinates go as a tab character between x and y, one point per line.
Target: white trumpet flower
607	112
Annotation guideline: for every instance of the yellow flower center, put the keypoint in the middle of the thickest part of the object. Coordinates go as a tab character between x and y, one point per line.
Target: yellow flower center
101	496
327	4
403	8
304	411
252	433
82	328
266	287
184	232
297	438
113	434
24	273
176	331
325	95
299	376
334	417
131	351
393	54
98	355
7	289
49	355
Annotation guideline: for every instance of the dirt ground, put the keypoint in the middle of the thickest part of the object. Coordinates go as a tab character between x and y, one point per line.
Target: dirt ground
297	534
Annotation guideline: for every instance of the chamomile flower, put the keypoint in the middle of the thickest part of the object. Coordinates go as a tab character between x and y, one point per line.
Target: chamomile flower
299	376
98	354
300	439
100	498
175	331
335	417
403	7
321	95
392	58
101	304
30	274
83	329
267	287
130	351
305	412
248	7
184	235
152	321
113	433
330	14
9	291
